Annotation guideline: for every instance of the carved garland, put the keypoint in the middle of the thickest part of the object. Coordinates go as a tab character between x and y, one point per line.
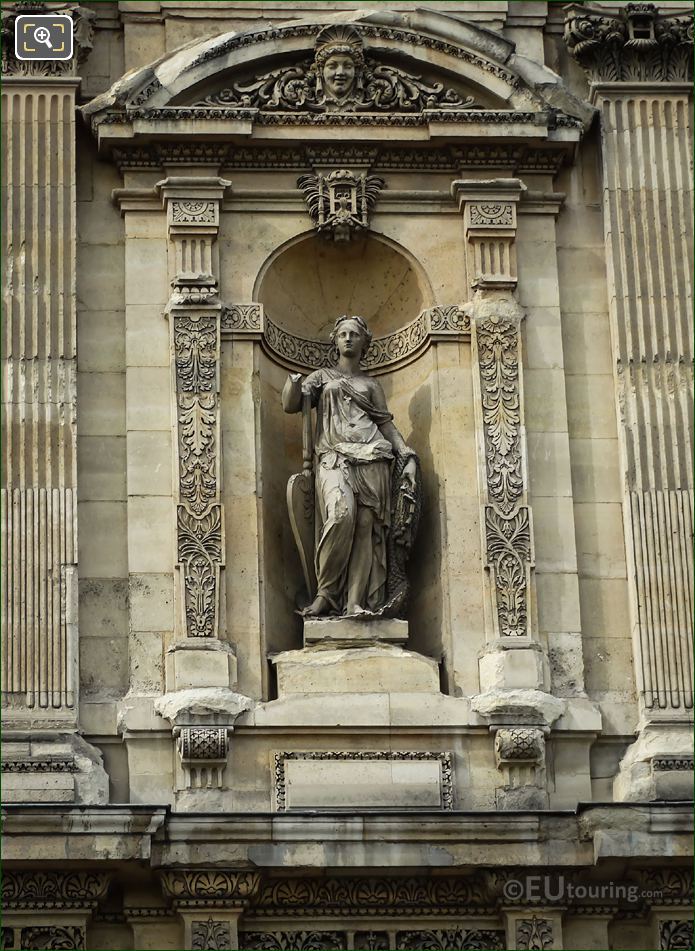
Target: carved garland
306	354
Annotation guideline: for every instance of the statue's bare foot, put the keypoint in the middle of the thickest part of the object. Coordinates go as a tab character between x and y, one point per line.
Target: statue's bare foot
317	607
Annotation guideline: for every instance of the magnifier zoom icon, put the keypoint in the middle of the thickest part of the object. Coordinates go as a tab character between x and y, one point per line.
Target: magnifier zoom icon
42	35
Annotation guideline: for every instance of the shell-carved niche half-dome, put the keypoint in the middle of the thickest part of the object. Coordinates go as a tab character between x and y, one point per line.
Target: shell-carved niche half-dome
381	69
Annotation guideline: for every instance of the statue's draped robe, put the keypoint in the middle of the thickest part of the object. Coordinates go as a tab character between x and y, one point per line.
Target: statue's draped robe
352	470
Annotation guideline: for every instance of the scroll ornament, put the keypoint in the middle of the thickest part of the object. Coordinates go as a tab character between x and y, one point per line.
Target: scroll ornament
365	85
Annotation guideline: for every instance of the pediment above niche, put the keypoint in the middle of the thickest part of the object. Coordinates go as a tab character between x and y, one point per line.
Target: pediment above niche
342	77
369	71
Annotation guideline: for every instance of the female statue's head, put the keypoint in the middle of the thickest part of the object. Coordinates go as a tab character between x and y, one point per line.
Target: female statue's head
351	335
338	61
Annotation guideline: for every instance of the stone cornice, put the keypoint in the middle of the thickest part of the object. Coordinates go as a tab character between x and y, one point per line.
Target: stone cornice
634	44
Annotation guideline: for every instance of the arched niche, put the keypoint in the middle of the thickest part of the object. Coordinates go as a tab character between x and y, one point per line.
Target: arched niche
303	285
310	281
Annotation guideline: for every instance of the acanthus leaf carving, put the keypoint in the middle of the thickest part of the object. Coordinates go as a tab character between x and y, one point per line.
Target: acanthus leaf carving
294	940
201	887
198	450
508	553
200	555
636	44
456	939
211	935
506	518
52	938
35	890
676	935
534	934
196	346
498	359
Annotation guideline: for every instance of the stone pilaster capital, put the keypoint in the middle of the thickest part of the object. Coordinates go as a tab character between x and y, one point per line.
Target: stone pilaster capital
83	35
634	44
490	221
210	888
192	203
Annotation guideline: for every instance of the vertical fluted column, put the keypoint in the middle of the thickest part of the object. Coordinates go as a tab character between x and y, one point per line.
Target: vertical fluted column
641	80
39	525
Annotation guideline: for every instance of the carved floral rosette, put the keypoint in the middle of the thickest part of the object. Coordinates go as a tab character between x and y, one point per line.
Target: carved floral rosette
200	548
507	519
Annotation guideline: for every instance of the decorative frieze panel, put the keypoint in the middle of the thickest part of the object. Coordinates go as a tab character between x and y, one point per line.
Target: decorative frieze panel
30	890
341	202
210	888
635	44
53	937
452	159
456	939
293	940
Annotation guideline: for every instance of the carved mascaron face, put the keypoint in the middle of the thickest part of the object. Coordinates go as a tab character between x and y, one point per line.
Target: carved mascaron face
338	73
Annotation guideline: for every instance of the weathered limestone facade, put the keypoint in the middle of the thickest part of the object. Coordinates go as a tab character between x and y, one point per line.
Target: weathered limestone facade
504	194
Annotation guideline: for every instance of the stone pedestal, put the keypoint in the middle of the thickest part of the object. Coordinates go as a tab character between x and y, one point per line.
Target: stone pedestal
377	669
354	631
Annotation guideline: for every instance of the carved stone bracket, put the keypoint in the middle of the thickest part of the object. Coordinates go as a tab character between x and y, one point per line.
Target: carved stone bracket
434	325
520	756
192	206
635	44
203	752
340	203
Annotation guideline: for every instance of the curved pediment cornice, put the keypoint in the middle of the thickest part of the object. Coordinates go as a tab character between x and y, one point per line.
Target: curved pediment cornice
416	69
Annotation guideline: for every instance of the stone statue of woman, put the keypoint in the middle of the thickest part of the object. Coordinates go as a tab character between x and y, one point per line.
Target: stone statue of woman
366	483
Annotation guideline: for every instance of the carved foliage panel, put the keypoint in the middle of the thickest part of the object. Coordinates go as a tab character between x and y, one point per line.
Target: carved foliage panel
199	513
534	934
211	935
507	519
